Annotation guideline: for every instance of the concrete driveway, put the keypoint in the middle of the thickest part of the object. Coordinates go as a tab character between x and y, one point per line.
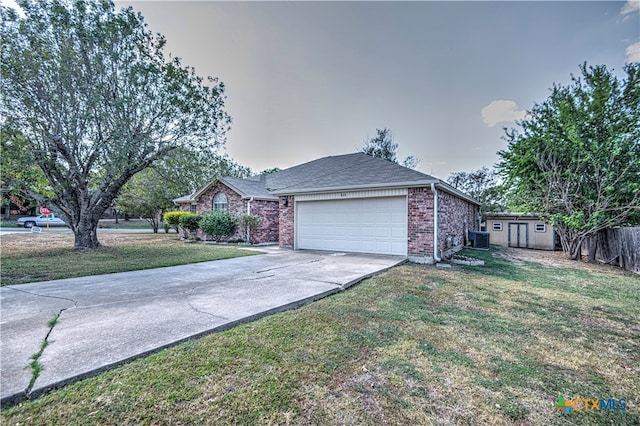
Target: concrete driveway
106	320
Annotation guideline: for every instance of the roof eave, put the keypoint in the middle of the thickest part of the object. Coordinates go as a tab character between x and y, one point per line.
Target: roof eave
453	191
390	185
411	184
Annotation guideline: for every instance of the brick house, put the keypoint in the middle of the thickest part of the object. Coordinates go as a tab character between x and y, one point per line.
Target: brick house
348	203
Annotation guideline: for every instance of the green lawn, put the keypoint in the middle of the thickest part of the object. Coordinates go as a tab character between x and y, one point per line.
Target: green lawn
497	344
30	257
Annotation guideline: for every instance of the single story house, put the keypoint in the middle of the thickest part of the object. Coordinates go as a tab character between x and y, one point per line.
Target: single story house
520	230
348	203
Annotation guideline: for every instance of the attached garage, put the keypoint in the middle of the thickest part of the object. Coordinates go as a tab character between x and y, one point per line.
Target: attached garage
356	224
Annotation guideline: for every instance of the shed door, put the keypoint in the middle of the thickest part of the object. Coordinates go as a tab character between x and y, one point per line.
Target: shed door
519	234
363	225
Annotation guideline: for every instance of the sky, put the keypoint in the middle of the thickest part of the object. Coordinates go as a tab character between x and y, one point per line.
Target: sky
311	79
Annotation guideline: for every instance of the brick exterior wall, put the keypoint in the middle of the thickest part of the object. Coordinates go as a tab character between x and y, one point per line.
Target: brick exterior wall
235	203
455	218
420	224
268	230
286	225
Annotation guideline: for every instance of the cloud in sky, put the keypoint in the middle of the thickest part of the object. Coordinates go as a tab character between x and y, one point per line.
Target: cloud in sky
501	112
633	52
630	7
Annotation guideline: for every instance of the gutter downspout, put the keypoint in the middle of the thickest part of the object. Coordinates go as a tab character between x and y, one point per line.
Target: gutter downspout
436	258
249	205
249	212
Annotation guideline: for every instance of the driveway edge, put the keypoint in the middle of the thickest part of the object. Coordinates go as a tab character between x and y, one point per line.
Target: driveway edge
36	391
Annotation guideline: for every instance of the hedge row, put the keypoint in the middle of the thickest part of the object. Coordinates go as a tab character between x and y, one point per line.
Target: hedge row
217	224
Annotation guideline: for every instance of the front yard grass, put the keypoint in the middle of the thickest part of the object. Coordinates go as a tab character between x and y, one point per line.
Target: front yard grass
40	257
497	344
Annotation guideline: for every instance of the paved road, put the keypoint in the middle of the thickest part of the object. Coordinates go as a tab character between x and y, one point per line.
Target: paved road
7	231
105	320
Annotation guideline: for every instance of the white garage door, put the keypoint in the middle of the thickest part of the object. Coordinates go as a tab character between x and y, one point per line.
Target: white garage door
364	225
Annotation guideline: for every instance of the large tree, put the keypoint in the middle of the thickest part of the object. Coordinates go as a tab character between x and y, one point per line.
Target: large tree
97	101
483	185
383	146
576	159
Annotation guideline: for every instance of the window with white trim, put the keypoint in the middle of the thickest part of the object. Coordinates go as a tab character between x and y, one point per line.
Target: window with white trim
497	226
541	227
220	202
193	208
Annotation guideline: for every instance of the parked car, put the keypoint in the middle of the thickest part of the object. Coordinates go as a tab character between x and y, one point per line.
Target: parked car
42	220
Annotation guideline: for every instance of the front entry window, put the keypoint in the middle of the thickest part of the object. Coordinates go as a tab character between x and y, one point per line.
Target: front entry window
220	202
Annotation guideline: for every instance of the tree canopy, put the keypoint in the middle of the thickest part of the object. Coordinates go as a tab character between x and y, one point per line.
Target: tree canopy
483	185
383	146
151	192
576	159
95	98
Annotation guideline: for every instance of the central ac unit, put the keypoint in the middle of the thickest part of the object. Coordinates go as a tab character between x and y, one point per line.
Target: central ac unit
479	240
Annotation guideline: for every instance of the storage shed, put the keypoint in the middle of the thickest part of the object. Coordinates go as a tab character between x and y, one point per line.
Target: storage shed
520	230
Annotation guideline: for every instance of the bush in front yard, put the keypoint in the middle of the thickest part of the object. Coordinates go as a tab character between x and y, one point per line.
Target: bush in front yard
173	219
190	222
250	224
218	224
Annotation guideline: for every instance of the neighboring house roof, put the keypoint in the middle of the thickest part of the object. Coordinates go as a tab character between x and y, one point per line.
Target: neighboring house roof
336	173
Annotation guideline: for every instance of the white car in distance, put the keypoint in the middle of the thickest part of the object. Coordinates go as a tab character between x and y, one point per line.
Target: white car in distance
42	221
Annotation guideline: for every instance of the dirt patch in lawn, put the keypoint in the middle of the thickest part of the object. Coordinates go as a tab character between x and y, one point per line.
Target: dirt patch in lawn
552	259
46	240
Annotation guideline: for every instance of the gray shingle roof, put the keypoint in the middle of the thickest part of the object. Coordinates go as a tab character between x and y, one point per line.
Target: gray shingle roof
249	187
336	173
348	171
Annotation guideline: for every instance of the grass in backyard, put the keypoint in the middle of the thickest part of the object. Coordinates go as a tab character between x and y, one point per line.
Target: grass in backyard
30	257
473	345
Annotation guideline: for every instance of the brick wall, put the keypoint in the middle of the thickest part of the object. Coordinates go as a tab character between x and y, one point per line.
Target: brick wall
420	224
286	225
455	218
235	203
268	230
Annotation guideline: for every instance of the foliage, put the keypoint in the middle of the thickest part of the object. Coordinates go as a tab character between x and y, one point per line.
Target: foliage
97	101
271	170
185	170
576	160
483	185
383	146
18	173
173	218
250	223
218	224
146	195
190	222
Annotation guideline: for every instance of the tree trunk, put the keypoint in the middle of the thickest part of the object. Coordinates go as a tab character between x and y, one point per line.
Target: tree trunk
86	235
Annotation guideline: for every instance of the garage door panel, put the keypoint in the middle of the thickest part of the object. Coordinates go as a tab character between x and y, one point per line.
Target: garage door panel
368	225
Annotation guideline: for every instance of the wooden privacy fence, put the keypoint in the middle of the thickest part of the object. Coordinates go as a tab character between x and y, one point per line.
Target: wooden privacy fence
617	246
